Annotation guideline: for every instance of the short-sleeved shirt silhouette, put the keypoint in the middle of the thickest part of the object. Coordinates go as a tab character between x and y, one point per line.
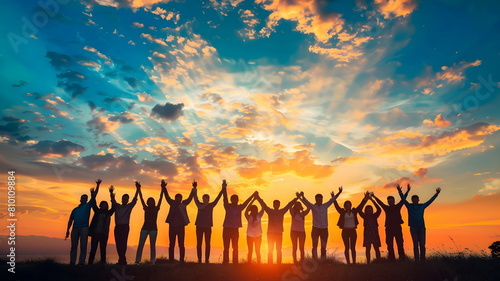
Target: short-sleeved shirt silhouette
81	214
150	218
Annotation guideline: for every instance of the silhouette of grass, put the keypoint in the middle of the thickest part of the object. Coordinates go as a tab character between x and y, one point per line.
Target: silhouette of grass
438	267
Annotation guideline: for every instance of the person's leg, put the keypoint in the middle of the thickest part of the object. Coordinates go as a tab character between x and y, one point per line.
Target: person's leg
345	239
422	243
315	237
94	241
103	244
377	252
353	236
125	242
279	245
250	248
235	245
142	240
84	235
75	236
182	249
271	240
368	248
258	241
171	237
152	241
199	241
414	237
302	240
389	240
294	237
324	239
398	235
225	241
208	237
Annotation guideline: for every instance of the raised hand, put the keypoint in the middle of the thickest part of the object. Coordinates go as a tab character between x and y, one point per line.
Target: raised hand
399	188
302	194
111	189
332	194
92	190
98	182
195	184
163	184
367	195
438	190
408	188
297	194
372	195
340	189
224	184
137	184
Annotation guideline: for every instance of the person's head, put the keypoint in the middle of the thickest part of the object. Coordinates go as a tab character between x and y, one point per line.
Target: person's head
84	198
391	201
276	204
347	205
234	199
125	199
253	210
297	207
178	198
369	210
415	199
103	205
151	202
205	198
319	199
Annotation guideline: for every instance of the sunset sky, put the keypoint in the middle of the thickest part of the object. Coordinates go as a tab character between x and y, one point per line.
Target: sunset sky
275	96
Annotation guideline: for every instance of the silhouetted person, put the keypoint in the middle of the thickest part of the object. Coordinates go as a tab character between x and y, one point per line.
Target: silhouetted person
149	228
320	221
297	230
416	221
204	222
275	227
254	230
232	222
348	221
177	219
370	231
393	222
79	218
99	230
122	220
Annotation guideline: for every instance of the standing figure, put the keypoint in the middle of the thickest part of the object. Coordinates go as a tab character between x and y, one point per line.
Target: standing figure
149	228
348	221
232	222
416	221
275	227
79	218
177	219
204	222
393	222
99	230
297	230
122	221
370	231
254	230
320	221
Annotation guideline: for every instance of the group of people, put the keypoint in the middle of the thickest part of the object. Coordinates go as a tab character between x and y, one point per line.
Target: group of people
178	218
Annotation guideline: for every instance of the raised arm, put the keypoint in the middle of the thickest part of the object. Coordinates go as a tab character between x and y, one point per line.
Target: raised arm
290	204
380	203
377	207
137	190
363	202
245	204
159	200
164	189
224	193
304	199
262	203
191	195
93	192
247	210
112	195
217	198
438	190
401	195
306	211
196	199
334	197
138	186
